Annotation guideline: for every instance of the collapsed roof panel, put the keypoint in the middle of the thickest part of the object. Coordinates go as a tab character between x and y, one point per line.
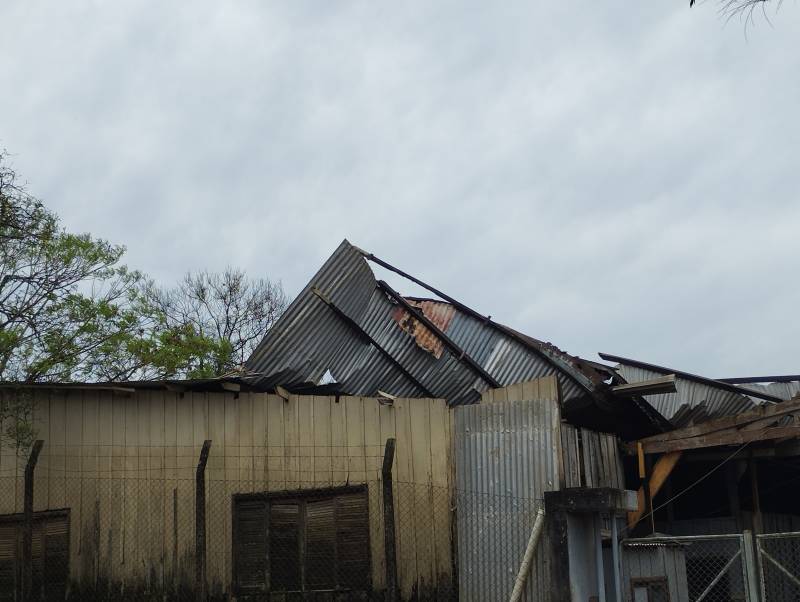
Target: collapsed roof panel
696	398
785	389
347	322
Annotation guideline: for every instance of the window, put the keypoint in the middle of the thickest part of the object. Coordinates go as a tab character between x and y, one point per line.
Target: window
304	541
650	589
50	554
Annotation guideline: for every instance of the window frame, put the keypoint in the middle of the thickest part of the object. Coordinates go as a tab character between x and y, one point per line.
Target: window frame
300	497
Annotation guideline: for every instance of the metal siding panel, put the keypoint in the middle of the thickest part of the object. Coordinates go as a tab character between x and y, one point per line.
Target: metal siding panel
505	462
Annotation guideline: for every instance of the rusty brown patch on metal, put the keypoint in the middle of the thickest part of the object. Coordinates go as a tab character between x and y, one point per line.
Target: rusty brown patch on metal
440	314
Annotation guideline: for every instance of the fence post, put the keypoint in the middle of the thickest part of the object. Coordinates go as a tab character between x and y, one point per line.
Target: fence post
748	543
27	528
200	521
388	522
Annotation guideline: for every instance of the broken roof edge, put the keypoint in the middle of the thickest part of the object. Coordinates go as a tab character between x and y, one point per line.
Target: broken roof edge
785	378
546	351
223	383
689	376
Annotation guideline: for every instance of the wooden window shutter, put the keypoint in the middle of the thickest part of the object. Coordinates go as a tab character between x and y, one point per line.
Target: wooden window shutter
320	544
50	555
251	545
284	547
54	538
8	557
352	539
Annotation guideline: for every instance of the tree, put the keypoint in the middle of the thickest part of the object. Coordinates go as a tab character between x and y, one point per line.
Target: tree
226	307
744	9
69	310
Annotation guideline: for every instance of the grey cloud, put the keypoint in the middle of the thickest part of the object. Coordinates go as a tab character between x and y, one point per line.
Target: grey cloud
607	177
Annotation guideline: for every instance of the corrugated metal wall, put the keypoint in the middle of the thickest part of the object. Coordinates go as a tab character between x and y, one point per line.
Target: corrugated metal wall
507	455
125	467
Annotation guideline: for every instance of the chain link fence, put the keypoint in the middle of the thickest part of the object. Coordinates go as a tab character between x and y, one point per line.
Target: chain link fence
137	537
779	559
693	568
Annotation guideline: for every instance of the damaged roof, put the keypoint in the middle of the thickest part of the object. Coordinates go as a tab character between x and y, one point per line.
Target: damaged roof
370	338
698	398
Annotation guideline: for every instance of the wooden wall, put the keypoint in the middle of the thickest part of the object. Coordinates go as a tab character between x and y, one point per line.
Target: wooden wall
124	464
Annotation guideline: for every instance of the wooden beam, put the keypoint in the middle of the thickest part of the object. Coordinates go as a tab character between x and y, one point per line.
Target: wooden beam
773	411
232	387
661	471
653	386
730	437
389	544
758	521
282	393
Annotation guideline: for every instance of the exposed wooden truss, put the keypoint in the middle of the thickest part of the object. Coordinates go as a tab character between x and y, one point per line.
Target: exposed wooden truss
767	423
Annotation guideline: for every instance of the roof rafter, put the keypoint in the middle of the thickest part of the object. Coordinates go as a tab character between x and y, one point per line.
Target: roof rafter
366	337
453	347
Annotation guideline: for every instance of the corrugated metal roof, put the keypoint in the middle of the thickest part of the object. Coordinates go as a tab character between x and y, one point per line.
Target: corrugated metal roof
697	398
310	339
785	390
693	402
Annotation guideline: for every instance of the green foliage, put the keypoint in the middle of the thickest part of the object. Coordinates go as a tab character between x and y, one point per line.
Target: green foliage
70	311
16	414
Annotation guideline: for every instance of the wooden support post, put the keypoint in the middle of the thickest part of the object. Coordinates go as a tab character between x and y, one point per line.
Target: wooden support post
27	534
388	522
758	523
175	571
732	486
200	522
655	480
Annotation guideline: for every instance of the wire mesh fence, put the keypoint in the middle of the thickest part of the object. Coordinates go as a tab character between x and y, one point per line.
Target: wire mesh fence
693	568
125	528
136	536
779	559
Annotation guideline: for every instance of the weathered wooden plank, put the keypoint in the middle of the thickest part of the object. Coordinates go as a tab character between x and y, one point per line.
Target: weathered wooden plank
275	448
588	441
661	471
322	450
338	441
711	426
572	459
440	491
406	519
244	451
259	436
422	475
731	437
354	424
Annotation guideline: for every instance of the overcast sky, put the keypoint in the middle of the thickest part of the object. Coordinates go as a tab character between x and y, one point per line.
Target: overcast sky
613	176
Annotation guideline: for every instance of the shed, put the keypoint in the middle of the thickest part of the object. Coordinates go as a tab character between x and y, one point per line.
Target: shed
654	571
